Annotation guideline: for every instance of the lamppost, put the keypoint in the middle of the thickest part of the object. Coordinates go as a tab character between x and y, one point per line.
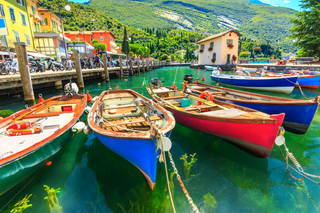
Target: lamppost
67	8
85	46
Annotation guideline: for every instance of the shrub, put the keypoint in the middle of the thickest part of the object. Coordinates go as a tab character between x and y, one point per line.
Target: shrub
210	48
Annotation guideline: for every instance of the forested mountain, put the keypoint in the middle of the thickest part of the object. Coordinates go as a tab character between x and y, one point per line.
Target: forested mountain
256	21
81	15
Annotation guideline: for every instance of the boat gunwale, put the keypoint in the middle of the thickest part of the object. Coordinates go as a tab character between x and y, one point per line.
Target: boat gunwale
127	135
219	118
25	152
223	76
286	101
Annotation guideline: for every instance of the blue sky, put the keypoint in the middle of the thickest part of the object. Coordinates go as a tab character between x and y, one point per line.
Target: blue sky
294	4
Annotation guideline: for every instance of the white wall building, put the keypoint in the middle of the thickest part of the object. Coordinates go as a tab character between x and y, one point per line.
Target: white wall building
219	49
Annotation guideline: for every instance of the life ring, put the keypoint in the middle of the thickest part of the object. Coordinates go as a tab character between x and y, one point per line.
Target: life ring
281	62
17	132
306	71
293	73
22	125
21	129
201	96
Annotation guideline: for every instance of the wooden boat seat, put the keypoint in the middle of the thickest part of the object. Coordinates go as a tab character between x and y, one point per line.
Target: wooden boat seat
198	88
120	106
174	102
174	97
119	95
131	121
42	115
192	108
218	93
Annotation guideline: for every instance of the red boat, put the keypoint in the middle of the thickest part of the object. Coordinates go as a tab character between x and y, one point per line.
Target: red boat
247	128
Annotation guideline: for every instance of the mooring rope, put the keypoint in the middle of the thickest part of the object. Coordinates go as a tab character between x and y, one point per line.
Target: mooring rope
290	156
304	95
194	207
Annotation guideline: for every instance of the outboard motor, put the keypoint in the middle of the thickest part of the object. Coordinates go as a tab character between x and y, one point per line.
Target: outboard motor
188	78
217	72
70	89
155	82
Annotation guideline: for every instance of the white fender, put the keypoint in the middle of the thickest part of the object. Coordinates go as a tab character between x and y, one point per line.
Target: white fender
78	127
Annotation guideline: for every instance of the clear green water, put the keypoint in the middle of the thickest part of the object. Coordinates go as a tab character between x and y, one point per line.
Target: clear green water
94	179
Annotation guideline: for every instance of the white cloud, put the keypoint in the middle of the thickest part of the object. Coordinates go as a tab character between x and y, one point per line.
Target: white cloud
286	1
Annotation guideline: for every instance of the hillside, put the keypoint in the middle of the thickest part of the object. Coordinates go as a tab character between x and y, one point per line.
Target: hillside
256	21
80	14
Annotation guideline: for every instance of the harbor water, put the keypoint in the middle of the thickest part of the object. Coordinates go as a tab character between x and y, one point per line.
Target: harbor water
224	178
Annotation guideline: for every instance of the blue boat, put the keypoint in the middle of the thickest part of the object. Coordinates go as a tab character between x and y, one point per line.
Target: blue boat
130	125
298	113
283	84
309	81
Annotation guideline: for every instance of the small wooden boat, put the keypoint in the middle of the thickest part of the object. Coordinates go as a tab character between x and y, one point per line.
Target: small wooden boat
283	84
211	68
247	128
33	135
298	113
129	124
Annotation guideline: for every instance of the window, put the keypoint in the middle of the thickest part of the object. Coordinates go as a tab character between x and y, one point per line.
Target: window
23	18
77	39
13	18
27	39
16	35
33	10
1	10
212	44
229	41
101	38
21	2
202	47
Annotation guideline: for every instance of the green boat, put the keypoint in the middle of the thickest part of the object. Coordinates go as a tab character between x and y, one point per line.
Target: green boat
31	136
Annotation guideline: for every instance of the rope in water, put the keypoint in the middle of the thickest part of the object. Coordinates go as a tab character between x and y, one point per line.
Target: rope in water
299	88
290	156
194	207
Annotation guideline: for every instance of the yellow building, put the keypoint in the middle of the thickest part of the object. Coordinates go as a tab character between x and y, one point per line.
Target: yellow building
35	18
18	25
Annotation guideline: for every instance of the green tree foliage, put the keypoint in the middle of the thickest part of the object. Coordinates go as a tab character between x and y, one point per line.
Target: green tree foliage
98	46
163	57
125	43
306	29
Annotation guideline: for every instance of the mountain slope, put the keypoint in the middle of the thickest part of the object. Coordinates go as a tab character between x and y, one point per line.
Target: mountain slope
258	21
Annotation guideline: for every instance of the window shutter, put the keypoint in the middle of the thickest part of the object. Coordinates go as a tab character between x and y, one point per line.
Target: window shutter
46	20
22	2
231	41
227	41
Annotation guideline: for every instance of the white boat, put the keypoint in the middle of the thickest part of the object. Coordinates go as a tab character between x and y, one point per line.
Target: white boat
246	69
211	68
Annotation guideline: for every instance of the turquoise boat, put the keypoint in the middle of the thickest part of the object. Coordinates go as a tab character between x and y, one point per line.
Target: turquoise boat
30	137
130	125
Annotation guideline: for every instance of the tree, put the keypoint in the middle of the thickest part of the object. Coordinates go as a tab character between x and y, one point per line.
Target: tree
163	57
98	46
147	52
306	29
257	50
125	43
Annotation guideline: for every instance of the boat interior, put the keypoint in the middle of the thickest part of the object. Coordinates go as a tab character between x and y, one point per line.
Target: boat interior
127	112
48	117
186	102
227	94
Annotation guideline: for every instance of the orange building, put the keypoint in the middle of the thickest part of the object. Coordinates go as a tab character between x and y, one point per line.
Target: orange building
87	36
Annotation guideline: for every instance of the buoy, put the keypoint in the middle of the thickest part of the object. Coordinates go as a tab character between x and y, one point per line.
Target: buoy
40	99
87	130
89	98
220	70
49	163
167	144
117	88
198	68
197	80
174	86
234	70
205	69
203	79
87	109
99	84
78	127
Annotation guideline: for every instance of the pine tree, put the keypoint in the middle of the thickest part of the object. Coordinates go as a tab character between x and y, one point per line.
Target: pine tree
125	44
306	29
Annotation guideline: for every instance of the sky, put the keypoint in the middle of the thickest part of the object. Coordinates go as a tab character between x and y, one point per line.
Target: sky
294	4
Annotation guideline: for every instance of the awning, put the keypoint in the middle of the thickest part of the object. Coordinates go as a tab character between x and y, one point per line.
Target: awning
6	53
37	54
111	53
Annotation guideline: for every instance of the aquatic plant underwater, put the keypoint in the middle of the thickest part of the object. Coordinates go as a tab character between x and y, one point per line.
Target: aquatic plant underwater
52	199
21	205
188	165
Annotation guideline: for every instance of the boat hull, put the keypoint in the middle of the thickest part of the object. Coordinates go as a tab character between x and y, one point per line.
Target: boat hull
18	170
258	138
143	154
285	85
311	82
